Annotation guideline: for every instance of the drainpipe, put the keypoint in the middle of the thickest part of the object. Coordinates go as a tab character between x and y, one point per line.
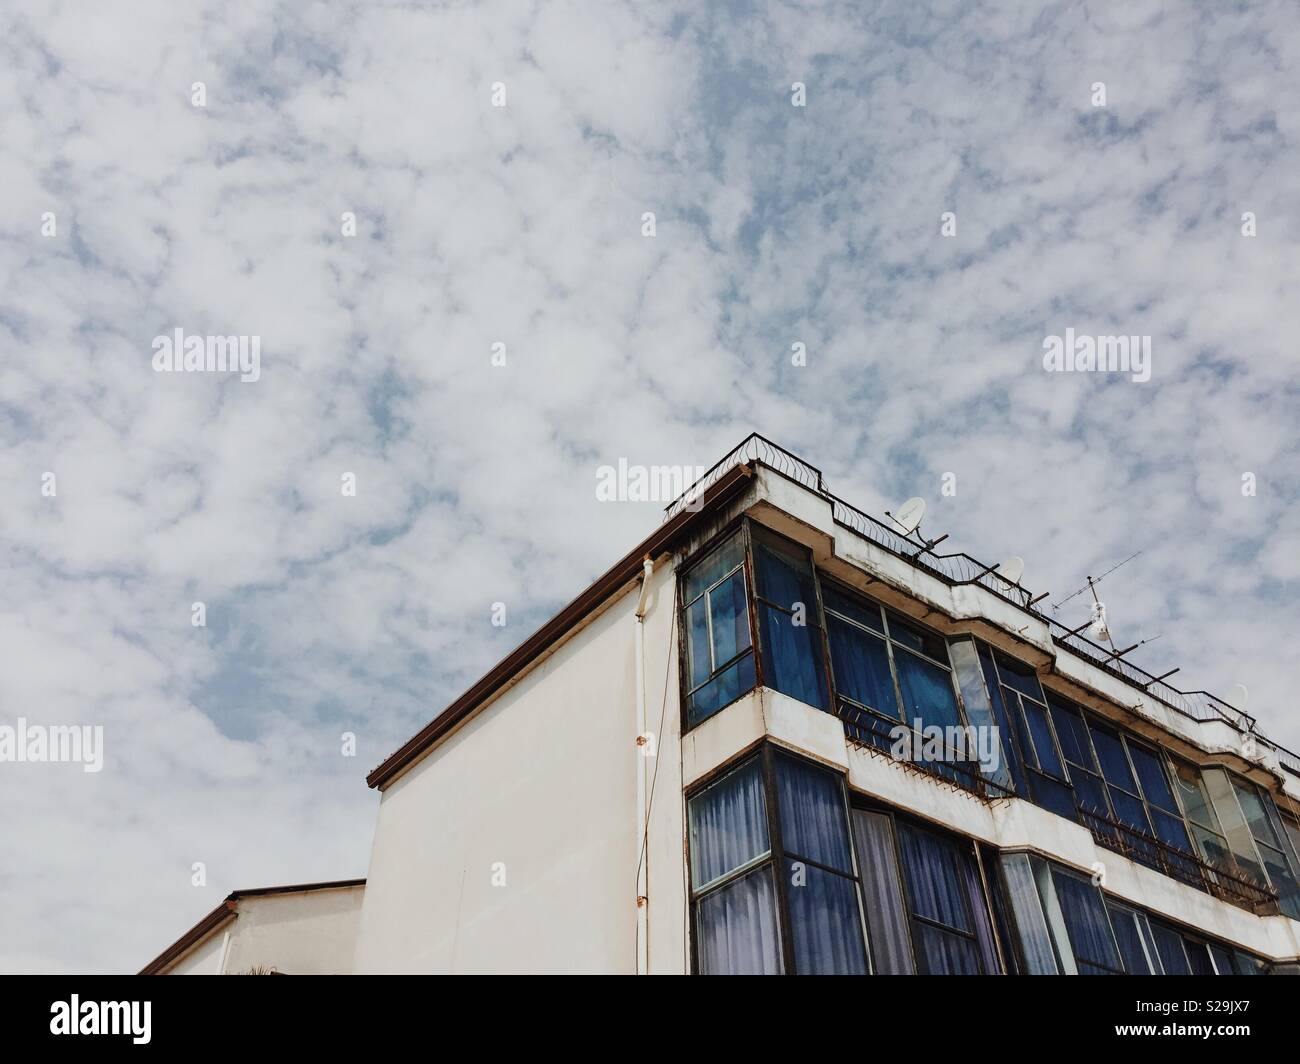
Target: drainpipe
643	859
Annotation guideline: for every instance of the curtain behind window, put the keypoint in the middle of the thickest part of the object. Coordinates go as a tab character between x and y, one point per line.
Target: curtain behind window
882	894
737	929
1091	940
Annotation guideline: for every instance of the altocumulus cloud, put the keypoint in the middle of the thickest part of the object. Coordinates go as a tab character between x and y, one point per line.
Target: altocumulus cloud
522	226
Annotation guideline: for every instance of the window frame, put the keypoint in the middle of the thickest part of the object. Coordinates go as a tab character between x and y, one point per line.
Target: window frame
740	529
777	857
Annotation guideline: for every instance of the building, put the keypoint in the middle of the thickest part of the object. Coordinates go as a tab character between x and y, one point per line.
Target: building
307	929
783	736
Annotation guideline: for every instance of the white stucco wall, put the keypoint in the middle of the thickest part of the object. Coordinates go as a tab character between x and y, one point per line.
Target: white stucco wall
308	932
539	786
204	958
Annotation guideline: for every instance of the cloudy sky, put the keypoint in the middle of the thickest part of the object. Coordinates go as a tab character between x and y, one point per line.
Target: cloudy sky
522	225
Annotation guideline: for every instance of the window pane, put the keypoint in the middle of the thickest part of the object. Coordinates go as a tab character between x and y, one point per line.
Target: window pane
1233	822
1151	774
783	573
1198	957
1196	802
713	567
1171	829
737	928
1073	736
934	879
722	690
824	922
1027	911
1052	795
1114	763
1212	846
1124	921
927	691
1169	944
882	894
861	664
914	638
792	657
1089	792
1256	818
1019	677
1129	810
1036	719
699	663
730	618
941	952
1222	960
1245	964
1086	923
728	824
979	709
865	613
813	823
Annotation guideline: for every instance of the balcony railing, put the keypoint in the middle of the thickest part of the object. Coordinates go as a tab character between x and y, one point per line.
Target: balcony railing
875	734
961	569
1230	884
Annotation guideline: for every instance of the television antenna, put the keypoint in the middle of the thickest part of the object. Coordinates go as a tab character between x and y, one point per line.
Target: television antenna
1099	623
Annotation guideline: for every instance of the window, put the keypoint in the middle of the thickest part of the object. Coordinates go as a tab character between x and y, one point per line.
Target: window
951	931
789	618
1201	817
882	894
1137	946
1076	745
888	671
1092	941
820	884
1267	831
864	678
1025	704
773	883
736	928
719	652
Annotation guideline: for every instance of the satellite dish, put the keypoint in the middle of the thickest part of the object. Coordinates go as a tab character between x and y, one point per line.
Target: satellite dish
1011	570
909	515
1239	696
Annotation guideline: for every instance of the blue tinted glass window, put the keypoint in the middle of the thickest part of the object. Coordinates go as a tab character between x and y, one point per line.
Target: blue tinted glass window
1019	677
1073	736
1129	938
825	924
1045	747
1114	763
861	664
1086	923
783	573
1151	775
918	639
792	657
927	691
721	691
852	607
813	821
1169	944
